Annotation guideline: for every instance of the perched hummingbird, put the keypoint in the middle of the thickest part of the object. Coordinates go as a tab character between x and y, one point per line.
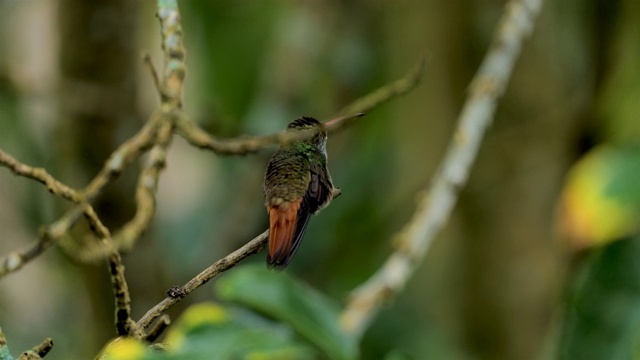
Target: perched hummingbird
297	184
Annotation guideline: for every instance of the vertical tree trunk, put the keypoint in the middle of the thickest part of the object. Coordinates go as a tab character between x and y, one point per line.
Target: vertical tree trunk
97	98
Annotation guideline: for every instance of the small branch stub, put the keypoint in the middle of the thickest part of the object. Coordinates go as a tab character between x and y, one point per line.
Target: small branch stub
175	292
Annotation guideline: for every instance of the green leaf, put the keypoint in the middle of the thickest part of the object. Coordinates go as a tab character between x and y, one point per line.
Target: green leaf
276	294
212	331
397	355
624	174
602	317
209	331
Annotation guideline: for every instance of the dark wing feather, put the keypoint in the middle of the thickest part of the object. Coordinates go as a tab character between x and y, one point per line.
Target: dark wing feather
320	188
315	198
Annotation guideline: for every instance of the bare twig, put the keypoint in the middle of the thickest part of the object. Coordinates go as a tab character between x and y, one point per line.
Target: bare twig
158	328
38	351
248	144
124	324
41	175
122	157
145	191
44	348
15	260
146	59
207	274
435	206
383	94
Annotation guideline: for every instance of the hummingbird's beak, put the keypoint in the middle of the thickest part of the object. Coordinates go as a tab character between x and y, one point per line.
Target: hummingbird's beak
342	120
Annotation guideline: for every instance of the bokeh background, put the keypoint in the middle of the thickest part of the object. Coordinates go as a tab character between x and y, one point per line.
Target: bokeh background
73	87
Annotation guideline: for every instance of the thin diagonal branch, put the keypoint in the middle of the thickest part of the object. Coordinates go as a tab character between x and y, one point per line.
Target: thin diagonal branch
145	191
249	144
157	330
383	95
242	145
124	324
436	205
15	260
41	175
146	58
203	277
122	157
38	351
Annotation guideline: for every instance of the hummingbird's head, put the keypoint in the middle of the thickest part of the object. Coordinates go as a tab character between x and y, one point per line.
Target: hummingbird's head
319	140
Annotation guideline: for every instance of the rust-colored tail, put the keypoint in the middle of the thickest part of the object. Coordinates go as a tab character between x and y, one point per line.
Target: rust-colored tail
283	220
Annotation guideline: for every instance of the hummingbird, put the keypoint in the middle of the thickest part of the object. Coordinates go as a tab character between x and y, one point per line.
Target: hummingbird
297	184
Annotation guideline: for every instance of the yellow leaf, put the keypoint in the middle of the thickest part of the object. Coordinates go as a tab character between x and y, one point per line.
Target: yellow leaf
206	313
123	348
589	214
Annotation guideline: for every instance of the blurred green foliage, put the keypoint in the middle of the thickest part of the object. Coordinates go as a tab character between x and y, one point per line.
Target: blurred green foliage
602	313
302	323
310	313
